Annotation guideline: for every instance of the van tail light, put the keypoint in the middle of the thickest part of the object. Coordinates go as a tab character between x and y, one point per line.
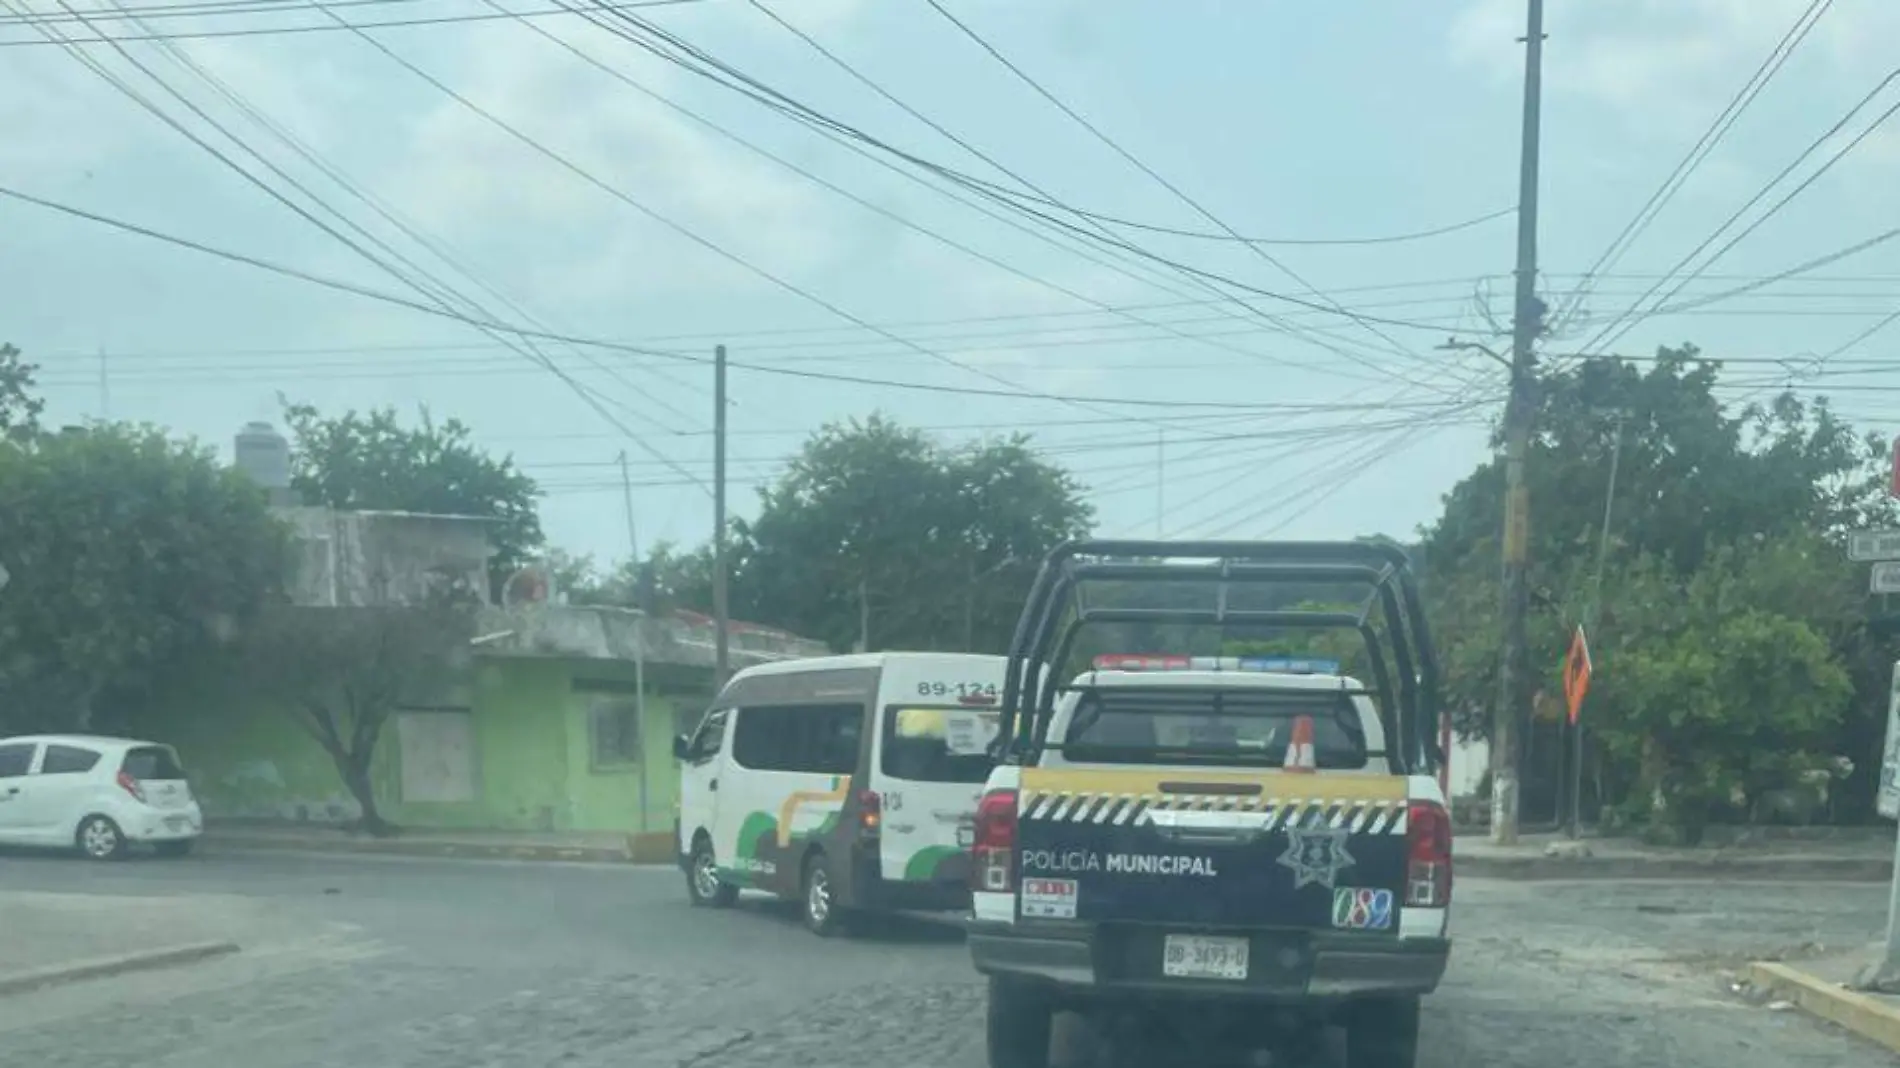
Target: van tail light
131	786
1428	856
993	850
870	811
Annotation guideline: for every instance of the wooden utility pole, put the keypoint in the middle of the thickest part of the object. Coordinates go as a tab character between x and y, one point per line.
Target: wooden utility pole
1510	715
633	540
721	620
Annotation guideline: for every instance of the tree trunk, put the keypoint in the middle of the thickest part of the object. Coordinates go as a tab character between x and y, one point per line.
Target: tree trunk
354	767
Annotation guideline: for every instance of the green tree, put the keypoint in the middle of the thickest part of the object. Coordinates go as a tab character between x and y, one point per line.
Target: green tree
876	528
19	405
129	553
343	672
1722	685
372	461
1698	487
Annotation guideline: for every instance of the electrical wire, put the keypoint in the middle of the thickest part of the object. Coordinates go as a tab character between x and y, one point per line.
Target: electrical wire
1704	145
992	191
29	18
527	332
673	48
809	175
963	27
437	292
1631	316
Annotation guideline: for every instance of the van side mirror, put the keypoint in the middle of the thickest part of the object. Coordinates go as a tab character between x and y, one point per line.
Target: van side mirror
682	747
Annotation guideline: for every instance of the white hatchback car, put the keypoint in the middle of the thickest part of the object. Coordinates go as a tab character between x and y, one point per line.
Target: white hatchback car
96	795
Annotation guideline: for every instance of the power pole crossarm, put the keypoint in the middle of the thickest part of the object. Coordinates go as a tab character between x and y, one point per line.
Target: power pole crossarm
1527	323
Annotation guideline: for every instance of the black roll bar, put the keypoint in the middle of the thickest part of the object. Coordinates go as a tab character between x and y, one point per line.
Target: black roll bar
1056	611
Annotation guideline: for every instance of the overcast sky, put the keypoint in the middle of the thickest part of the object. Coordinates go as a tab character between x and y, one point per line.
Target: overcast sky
1284	120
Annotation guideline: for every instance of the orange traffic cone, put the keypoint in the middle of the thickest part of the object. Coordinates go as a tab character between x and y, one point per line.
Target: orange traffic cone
1299	751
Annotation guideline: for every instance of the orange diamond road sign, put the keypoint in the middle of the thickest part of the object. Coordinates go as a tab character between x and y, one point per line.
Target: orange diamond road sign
1576	673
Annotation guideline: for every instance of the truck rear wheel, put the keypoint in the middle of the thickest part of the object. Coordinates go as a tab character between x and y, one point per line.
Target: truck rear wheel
1383	1034
1018	1027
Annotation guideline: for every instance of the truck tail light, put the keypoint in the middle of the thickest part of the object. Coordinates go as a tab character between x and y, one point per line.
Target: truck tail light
870	811
1428	856
993	850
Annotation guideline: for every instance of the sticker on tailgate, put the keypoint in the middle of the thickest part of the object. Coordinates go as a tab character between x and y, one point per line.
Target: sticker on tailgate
1049	899
1362	908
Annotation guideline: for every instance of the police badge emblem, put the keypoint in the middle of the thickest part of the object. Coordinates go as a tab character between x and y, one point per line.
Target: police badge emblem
1316	855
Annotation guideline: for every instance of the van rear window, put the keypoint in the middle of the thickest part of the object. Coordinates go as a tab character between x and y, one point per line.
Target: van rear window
1231	725
937	743
152	763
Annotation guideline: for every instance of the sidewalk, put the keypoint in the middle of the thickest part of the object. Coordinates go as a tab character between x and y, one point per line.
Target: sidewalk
596	847
1819	987
1865	858
61	938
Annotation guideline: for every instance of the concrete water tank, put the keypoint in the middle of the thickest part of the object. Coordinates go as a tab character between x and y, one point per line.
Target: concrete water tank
264	455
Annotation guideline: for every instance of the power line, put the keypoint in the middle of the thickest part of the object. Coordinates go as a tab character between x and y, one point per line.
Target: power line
672	224
878	209
1706	144
696	60
404	302
994	192
436	291
1369	324
29	18
1630	316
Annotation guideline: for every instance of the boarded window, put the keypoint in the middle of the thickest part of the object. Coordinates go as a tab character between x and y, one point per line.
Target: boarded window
436	749
616	730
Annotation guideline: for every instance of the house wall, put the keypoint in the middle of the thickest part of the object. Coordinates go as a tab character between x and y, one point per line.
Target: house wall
530	764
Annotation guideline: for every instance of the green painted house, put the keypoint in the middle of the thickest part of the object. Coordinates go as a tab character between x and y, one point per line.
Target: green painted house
562	722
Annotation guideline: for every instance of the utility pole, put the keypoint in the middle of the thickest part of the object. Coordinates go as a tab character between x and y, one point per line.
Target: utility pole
640	635
721	621
105	390
1526	325
633	540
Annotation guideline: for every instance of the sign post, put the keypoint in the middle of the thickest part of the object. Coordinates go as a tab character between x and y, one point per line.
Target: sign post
1577	671
1884	975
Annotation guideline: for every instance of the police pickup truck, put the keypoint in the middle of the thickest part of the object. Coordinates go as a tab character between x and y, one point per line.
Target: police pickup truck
1226	851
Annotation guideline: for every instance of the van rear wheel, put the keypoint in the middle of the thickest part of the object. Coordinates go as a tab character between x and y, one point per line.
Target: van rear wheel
824	914
1018	1026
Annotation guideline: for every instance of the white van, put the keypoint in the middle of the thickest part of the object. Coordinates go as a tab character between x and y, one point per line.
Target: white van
849	782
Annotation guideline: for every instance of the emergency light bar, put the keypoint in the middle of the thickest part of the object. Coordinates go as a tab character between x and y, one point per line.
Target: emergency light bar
1277	665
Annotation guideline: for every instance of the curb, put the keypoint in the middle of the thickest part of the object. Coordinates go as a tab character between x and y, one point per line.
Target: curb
399	848
19	982
1754	869
1865	1015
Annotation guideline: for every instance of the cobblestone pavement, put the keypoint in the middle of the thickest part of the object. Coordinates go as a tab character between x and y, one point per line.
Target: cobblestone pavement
371	963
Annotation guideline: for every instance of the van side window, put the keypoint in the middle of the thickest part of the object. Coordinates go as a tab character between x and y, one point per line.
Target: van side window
712	732
817	739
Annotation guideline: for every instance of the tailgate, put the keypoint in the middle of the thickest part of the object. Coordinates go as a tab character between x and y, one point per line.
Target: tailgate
1213	848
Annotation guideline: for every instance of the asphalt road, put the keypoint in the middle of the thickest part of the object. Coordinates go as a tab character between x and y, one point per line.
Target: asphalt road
385	963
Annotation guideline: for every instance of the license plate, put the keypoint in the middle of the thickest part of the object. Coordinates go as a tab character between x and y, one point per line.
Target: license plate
176	823
1203	957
